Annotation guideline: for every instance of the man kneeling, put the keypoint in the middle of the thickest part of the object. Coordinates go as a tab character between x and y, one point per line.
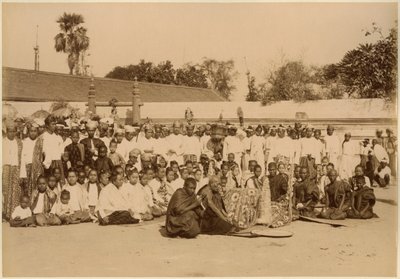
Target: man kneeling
184	212
112	208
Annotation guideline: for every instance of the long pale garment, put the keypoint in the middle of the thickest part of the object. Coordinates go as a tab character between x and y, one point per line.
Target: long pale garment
26	165
257	147
11	189
380	153
146	145
232	144
246	155
269	147
296	145
135	197
350	159
333	148
319	151
282	146
191	146
52	148
160	146
308	147
127	146
110	201
203	144
175	148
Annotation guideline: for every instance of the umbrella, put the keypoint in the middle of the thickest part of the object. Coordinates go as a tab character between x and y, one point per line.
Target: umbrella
9	111
40	114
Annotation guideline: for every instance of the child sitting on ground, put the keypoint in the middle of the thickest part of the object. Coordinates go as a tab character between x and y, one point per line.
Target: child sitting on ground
92	188
22	215
159	190
78	197
144	180
53	186
42	202
62	209
135	196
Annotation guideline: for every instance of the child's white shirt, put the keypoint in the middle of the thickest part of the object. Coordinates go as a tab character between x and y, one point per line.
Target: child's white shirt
21	213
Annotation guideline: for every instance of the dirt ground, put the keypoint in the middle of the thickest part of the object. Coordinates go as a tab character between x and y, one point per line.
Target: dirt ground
362	248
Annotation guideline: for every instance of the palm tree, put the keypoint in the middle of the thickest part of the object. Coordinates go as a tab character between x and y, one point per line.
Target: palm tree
72	39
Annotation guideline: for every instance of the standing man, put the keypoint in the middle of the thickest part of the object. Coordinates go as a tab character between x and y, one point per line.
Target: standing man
351	151
129	142
232	144
308	153
175	144
257	147
52	145
391	148
191	145
332	146
283	146
91	144
270	145
27	158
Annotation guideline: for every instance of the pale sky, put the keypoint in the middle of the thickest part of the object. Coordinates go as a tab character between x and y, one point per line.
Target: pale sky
123	33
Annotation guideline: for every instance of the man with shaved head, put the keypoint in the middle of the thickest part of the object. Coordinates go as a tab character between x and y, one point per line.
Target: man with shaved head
215	218
338	198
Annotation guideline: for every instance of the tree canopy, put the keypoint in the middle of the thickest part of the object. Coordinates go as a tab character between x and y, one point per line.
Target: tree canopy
218	75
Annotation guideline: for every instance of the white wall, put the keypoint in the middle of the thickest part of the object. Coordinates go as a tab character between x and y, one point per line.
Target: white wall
324	109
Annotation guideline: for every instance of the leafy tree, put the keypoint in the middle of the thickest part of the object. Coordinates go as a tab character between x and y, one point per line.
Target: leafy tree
191	75
370	70
72	40
145	71
142	71
292	81
220	75
163	73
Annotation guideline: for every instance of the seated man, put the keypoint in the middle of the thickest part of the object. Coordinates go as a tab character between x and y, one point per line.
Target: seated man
306	194
362	200
277	182
112	208
382	174
338	198
215	218
184	212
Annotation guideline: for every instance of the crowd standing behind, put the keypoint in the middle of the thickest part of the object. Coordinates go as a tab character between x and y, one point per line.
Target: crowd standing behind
213	178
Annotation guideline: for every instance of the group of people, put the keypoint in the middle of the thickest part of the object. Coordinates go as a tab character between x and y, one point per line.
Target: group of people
213	178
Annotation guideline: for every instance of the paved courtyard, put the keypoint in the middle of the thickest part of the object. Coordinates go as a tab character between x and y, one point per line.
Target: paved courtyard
362	248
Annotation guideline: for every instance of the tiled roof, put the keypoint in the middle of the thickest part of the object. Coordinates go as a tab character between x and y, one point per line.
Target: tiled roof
29	85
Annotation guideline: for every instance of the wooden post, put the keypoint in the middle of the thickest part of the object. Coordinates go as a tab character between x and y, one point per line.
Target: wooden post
92	97
136	103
